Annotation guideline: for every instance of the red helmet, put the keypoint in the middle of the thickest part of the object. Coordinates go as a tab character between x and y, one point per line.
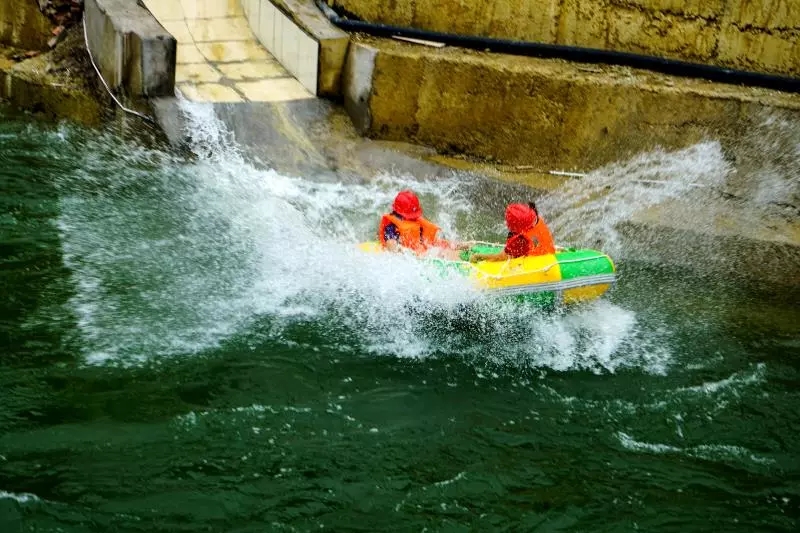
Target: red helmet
520	218
406	204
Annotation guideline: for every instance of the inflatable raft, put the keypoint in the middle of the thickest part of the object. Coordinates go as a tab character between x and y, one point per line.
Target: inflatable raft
567	277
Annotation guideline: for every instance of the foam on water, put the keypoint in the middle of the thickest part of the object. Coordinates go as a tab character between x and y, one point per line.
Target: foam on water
23	497
172	257
709	452
730	385
705	401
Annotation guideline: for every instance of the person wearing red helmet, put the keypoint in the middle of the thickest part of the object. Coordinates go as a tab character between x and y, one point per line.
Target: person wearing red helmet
527	235
406	227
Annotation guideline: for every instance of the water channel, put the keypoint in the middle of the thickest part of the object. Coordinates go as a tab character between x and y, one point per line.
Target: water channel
193	343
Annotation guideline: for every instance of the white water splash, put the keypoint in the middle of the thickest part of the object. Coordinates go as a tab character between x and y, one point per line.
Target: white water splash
731	385
175	257
709	452
705	400
586	211
458	477
601	337
769	155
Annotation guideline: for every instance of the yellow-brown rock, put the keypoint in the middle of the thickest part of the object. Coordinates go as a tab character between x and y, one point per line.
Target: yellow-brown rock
58	84
758	35
22	25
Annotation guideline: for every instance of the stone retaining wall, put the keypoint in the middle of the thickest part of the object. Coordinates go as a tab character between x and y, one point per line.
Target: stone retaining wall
537	112
757	35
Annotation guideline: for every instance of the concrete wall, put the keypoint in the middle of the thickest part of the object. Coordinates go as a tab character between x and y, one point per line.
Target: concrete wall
302	39
131	49
533	111
22	25
758	35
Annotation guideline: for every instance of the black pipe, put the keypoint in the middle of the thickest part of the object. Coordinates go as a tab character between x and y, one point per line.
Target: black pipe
571	53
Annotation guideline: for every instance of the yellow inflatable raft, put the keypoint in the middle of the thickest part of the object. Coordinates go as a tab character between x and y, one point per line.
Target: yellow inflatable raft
569	276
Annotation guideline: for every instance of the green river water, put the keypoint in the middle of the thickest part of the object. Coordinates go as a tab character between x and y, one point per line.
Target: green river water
192	344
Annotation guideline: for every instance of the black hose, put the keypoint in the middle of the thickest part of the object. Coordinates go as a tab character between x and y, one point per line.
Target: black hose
571	53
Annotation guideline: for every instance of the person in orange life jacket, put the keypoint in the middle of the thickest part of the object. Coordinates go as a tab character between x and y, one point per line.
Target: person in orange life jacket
528	235
406	227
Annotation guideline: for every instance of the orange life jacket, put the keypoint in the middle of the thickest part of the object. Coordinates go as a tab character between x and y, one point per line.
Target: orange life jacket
417	235
540	240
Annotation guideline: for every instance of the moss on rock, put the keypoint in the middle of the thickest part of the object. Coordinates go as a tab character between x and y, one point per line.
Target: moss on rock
58	84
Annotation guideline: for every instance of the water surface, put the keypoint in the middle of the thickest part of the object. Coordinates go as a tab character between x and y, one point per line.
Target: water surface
192	344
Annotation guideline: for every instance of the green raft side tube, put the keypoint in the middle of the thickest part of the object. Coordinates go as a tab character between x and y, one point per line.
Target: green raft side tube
578	263
574	263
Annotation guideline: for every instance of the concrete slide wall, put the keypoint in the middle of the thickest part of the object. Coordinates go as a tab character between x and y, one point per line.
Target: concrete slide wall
302	39
131	49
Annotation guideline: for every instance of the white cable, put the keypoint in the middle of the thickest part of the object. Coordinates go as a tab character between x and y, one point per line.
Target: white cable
131	111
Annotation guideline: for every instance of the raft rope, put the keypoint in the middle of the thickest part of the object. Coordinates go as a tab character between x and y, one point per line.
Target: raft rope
108	89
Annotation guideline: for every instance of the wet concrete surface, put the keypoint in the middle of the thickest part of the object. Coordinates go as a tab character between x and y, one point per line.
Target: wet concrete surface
721	238
311	137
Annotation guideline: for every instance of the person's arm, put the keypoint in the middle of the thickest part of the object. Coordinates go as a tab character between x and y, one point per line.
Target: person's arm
391	237
466	245
516	247
454	245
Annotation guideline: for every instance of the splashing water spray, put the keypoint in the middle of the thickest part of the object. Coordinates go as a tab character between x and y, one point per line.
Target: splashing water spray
215	248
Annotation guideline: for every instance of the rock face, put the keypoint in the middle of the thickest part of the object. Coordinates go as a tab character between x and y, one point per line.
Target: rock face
22	25
44	67
39	72
59	83
37	24
757	35
61	12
